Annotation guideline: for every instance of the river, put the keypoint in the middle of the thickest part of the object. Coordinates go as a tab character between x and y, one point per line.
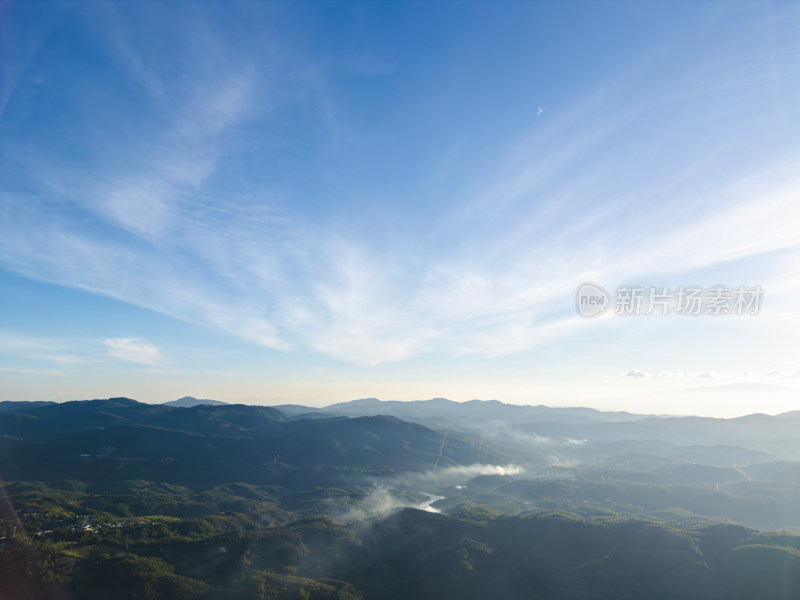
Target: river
431	499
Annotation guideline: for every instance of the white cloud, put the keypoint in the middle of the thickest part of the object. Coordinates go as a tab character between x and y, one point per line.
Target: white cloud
494	284
282	283
134	350
638	374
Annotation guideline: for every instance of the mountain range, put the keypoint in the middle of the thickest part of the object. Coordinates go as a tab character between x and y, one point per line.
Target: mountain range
204	500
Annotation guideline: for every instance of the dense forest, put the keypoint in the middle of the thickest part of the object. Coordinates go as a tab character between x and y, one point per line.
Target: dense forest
118	499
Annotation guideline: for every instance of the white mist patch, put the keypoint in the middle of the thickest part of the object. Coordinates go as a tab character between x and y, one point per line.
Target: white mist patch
526	438
383	500
574	442
380	501
541	440
452	476
395	492
470	471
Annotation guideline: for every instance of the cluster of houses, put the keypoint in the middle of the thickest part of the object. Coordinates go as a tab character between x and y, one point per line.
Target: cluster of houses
82	523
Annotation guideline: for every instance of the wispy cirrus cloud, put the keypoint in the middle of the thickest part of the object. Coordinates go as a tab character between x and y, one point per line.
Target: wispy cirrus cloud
283	283
20	342
33	354
31	371
147	201
172	224
134	350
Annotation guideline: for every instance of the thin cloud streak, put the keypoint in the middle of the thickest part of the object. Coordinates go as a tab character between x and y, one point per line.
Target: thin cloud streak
32	371
134	350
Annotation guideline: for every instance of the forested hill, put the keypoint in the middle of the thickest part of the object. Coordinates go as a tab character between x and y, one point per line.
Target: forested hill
118	499
206	445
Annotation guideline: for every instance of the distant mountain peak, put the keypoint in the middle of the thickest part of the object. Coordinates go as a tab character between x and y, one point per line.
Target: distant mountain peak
360	403
190	401
119	400
440	401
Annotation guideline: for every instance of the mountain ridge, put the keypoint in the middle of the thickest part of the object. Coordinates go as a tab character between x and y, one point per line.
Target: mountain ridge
190	401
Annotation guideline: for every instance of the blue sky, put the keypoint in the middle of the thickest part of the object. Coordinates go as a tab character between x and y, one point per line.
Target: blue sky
316	202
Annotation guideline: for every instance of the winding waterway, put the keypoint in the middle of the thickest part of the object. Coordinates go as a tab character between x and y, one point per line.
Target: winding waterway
431	499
